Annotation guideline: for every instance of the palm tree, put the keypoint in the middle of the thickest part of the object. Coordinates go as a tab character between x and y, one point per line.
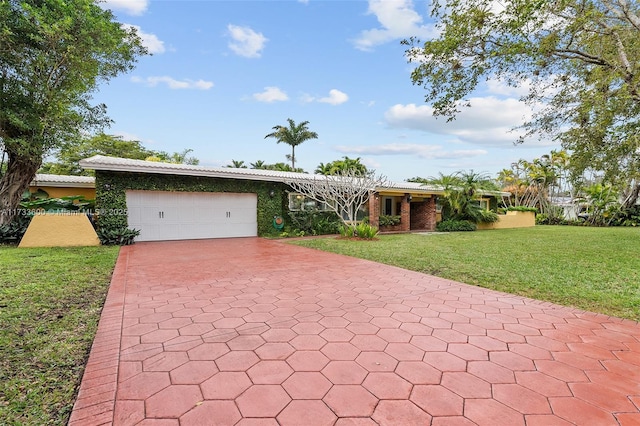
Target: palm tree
344	164
293	136
236	164
258	165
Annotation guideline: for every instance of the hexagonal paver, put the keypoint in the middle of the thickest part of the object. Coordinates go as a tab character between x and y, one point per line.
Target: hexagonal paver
437	400
237	361
418	373
143	385
400	413
307	385
387	386
274	351
262	401
221	413
337	335
340	351
306	413
350	401
344	373
269	372
308	342
466	385
377	361
278	335
225	385
165	361
245	343
193	372
172	402
307	361
208	351
404	352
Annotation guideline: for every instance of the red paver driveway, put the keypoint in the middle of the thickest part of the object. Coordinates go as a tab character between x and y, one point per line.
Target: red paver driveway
251	331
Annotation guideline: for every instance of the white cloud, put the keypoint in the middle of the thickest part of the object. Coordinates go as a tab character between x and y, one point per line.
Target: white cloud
131	7
271	94
173	83
397	19
501	87
488	122
246	42
150	41
335	97
430	152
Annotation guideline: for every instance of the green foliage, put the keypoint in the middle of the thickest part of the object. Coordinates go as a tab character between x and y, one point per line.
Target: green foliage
62	204
13	232
452	225
578	60
389	220
293	136
117	236
111	195
314	222
54	55
366	231
628	217
346	163
545	219
347	231
518	209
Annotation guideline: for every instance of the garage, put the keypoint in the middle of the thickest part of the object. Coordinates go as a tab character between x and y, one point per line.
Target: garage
168	215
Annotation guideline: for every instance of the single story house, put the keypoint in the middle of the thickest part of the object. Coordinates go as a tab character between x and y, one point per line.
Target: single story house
178	201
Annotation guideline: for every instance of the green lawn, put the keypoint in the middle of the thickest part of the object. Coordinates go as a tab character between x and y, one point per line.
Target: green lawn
595	269
50	303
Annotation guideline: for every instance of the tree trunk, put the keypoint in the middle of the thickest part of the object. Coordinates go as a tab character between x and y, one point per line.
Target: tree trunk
20	172
632	198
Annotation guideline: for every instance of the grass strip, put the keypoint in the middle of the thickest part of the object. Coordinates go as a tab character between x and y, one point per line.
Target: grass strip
594	269
50	304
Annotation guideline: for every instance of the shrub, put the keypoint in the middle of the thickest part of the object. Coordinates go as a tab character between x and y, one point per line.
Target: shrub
13	232
314	222
347	231
366	231
503	210
117	236
455	226
388	220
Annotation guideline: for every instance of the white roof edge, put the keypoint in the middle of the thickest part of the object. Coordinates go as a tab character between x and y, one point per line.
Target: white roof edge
101	162
63	181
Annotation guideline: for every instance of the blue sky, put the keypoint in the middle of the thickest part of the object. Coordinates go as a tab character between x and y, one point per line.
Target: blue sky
223	73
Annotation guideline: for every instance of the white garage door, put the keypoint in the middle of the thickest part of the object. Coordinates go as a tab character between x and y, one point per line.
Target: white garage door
161	215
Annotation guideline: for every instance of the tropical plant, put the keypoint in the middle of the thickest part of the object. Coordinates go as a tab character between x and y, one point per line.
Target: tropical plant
258	165
54	55
117	236
175	158
389	220
366	231
236	164
293	135
461	195
345	163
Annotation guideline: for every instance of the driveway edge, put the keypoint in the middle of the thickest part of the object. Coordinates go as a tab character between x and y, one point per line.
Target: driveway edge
96	397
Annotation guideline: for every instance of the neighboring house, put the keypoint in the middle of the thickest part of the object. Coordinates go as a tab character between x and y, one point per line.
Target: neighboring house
57	186
178	201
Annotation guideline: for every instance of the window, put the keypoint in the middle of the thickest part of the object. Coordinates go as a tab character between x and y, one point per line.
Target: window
483	203
299	202
387	208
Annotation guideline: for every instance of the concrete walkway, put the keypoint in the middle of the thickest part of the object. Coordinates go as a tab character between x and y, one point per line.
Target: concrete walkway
251	331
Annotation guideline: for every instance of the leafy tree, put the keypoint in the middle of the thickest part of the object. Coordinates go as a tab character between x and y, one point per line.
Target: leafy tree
175	158
337	166
70	153
579	59
236	164
293	136
53	55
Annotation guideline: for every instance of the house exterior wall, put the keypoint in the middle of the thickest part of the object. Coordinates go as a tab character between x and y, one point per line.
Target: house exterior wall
60	230
111	190
513	219
414	215
59	192
423	215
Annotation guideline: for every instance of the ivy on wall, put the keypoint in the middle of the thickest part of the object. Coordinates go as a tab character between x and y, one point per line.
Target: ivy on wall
111	187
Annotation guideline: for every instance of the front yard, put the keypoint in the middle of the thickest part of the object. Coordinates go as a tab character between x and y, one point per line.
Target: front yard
595	269
50	303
